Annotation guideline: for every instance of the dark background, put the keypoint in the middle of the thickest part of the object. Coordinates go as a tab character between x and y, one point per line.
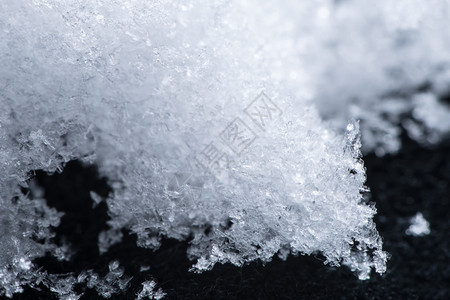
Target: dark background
416	179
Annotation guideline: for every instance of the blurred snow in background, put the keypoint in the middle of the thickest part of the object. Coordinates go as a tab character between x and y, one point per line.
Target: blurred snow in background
143	89
419	226
386	64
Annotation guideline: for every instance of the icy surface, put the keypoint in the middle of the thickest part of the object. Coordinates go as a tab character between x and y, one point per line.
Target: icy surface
208	119
419	226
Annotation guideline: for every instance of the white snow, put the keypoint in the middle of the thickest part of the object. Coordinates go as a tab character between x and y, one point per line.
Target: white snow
210	114
419	226
148	291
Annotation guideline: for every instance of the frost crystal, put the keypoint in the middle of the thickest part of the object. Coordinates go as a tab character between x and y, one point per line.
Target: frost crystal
419	226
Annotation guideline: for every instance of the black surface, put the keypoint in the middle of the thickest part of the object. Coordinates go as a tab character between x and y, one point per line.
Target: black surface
414	180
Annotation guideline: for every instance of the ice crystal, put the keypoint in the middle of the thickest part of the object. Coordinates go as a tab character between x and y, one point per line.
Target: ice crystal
113	282
148	291
108	238
25	234
63	285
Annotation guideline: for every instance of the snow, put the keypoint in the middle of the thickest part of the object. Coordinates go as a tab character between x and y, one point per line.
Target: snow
383	64
419	226
148	291
222	115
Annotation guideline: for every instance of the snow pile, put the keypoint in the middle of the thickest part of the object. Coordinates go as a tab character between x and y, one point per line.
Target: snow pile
206	117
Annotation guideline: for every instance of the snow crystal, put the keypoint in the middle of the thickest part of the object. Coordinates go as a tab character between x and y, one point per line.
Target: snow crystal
112	283
25	234
107	238
97	199
63	286
148	291
419	226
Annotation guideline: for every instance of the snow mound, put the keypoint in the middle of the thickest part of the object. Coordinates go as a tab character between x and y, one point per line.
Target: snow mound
214	121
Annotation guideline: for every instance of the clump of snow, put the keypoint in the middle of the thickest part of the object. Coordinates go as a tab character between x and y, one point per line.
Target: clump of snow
112	283
25	234
148	291
208	119
432	118
107	238
419	226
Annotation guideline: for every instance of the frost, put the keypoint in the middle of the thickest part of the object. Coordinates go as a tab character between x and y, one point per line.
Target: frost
419	226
